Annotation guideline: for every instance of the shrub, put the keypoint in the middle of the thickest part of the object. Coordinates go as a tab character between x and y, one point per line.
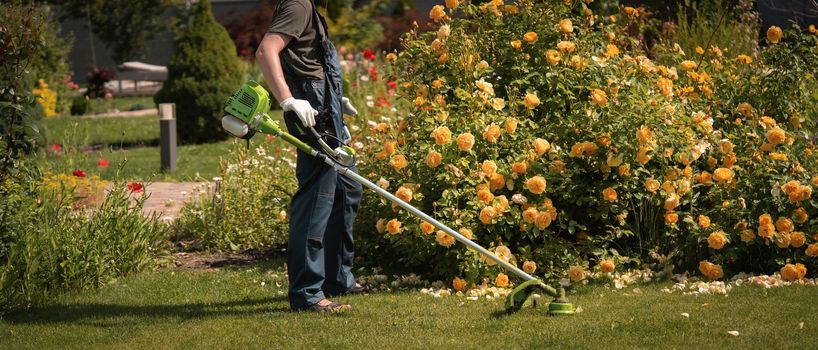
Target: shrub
50	61
80	105
56	237
249	204
203	72
546	130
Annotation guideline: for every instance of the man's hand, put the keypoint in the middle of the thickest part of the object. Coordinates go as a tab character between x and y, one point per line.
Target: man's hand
302	109
347	107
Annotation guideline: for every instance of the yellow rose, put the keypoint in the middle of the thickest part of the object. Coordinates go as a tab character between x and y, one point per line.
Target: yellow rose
437	13
465	141
543	220
609	194
766	230
812	250
487	215
800	215
497	181
688	65
774	34
393	226
380	225
565	26
489	167
516	44
442	135
744	59
765	219
717	240
484	195
651	185
530	37
404	193
427	228
457	283
776	136
433	159
519	168
566	46
784	225
536	184
671	217
529	266
497	103
398	162
444	239
599	97
452	4
611	50
443	57
722	175
541	146
501	280
466	233
745	109
492	133
531	101
511	125
644	135
704	221
530	215
642	156
671	202
553	56
576	273
710	270
797	239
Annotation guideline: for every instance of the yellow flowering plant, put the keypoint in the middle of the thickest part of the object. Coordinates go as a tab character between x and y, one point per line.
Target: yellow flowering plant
576	130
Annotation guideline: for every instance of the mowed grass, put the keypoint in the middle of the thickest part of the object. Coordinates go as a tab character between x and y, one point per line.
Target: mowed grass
231	308
131	147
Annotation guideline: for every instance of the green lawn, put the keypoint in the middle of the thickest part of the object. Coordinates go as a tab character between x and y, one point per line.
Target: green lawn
113	131
123	104
231	309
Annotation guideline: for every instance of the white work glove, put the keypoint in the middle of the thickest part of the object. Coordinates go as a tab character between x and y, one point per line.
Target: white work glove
347	107
302	109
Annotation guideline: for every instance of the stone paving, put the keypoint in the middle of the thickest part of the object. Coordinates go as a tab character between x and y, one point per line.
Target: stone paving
167	198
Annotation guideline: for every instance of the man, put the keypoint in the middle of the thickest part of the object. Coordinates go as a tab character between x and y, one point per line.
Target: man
302	70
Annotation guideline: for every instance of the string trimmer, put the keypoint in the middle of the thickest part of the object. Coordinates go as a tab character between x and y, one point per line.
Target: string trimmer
247	113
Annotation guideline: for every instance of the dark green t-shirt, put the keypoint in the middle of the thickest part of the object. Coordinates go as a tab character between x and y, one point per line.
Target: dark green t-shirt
302	55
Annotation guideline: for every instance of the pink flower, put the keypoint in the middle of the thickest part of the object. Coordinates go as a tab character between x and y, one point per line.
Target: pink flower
102	163
135	187
79	173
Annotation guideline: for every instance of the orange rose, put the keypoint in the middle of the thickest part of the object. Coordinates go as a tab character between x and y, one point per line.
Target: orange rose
543	220
565	26
398	162
492	133
651	185
704	221
444	239
789	273
497	181
511	125
766	230
671	202
607	266
442	135
427	228
485	195
501	280
717	240
530	37
609	194
642	156
536	184
530	215
566	46
529	266
797	239
688	65
466	233
465	141
553	56
784	225
393	226
405	194
576	273
776	136
519	168
747	236
437	13
541	146
800	215
774	34
812	250
434	159
459	284
516	44
599	97
487	215
531	101
489	167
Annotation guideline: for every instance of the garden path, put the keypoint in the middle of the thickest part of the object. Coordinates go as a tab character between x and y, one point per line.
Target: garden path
167	198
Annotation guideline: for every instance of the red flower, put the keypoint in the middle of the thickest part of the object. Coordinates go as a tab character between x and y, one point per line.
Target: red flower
392	85
373	73
368	54
382	102
102	163
269	137
56	148
79	173
135	187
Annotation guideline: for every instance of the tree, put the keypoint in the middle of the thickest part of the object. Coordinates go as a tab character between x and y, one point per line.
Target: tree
125	26
203	72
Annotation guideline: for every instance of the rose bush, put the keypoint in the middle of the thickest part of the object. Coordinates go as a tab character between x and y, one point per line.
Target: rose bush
542	129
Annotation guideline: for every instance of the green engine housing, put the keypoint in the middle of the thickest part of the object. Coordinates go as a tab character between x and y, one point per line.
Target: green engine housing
251	104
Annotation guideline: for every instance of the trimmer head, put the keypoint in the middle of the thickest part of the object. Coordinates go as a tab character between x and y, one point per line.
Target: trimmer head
521	293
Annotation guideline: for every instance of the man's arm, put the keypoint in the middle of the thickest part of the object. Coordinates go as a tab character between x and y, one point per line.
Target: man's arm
270	64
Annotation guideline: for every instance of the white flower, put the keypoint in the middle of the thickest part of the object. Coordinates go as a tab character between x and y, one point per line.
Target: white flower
733	333
519	199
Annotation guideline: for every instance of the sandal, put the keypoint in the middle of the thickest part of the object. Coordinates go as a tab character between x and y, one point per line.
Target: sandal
332	307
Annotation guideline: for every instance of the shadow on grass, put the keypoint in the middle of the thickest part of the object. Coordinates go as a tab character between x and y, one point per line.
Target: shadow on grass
106	315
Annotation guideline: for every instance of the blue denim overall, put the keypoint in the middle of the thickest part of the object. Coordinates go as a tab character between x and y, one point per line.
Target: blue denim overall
322	211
